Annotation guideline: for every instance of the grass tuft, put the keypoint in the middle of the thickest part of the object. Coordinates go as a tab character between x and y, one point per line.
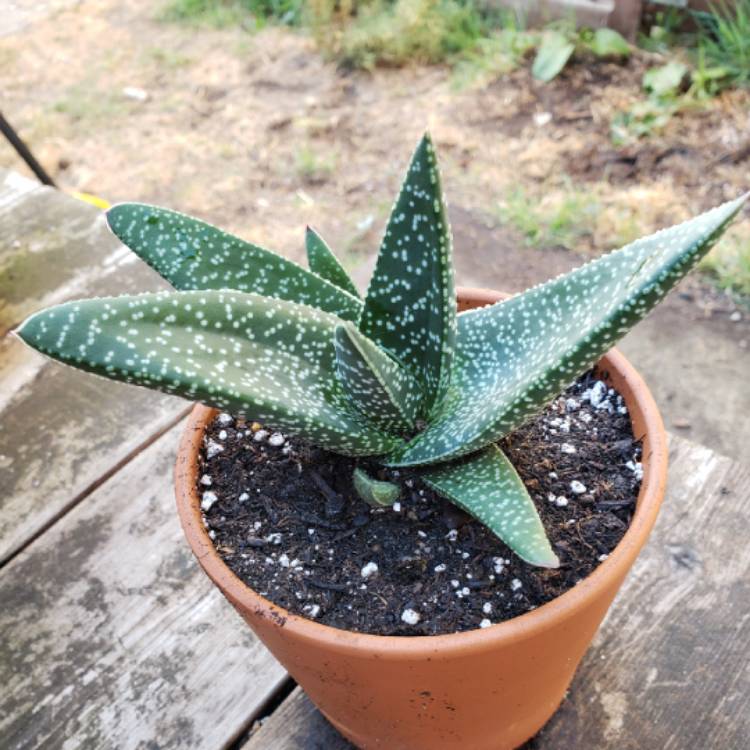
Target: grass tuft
729	262
223	13
724	39
563	221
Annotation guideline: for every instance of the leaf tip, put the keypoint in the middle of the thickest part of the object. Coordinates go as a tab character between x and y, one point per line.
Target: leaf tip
551	561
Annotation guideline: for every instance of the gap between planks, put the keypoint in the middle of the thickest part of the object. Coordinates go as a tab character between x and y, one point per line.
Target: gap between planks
93	486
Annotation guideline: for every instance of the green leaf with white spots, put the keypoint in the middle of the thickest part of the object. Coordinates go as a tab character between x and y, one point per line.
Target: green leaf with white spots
191	254
265	358
488	487
384	392
410	306
325	264
373	491
512	357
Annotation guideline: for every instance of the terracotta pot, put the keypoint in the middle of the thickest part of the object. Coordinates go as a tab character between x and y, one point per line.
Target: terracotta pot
488	689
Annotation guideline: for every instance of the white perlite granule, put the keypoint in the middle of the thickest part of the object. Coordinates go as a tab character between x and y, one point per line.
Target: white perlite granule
577	487
213	448
276	440
369	569
209	498
485	623
410	617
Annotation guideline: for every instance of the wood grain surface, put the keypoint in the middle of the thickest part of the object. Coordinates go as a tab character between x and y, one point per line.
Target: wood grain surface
111	636
61	430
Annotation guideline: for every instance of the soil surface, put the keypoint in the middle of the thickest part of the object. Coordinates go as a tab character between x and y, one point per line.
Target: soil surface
286	519
257	133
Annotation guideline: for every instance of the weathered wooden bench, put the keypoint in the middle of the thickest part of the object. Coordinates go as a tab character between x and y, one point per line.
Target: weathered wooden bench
111	636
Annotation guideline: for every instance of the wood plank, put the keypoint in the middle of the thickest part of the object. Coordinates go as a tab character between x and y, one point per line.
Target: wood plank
669	668
112	637
61	431
296	725
56	248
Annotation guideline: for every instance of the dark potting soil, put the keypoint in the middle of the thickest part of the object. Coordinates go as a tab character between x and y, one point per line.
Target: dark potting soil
286	519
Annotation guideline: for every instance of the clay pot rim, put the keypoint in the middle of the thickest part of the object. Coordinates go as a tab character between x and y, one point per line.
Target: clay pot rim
644	414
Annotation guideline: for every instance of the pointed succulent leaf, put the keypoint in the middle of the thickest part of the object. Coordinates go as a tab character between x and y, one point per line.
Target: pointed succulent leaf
250	355
191	254
512	357
325	264
384	392
487	486
410	307
373	491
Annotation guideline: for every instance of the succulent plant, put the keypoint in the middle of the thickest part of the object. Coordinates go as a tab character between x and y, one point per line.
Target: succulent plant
397	376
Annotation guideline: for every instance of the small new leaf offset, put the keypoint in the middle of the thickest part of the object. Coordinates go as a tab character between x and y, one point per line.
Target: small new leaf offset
488	487
410	307
512	357
191	254
325	264
249	355
384	392
373	491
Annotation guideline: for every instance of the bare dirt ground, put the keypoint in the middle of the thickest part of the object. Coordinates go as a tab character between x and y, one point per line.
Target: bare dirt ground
258	134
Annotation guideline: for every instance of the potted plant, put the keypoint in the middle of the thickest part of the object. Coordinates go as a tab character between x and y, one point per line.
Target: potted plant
406	397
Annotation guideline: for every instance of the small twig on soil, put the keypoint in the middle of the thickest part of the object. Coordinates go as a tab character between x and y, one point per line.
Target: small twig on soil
334	501
340	587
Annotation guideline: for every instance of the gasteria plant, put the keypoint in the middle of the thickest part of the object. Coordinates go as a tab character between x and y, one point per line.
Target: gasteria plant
399	375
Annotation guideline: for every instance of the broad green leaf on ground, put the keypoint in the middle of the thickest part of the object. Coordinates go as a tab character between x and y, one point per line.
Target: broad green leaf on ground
552	56
410	307
609	43
325	264
512	357
666	79
382	390
265	358
191	254
487	486
374	491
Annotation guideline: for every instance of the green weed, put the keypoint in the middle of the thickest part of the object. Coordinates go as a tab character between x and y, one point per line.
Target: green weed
312	167
224	13
724	40
88	107
397	32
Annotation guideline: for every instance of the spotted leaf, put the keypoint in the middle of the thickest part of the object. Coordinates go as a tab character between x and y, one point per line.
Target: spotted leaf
512	357
487	486
265	358
383	391
410	307
191	254
325	264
